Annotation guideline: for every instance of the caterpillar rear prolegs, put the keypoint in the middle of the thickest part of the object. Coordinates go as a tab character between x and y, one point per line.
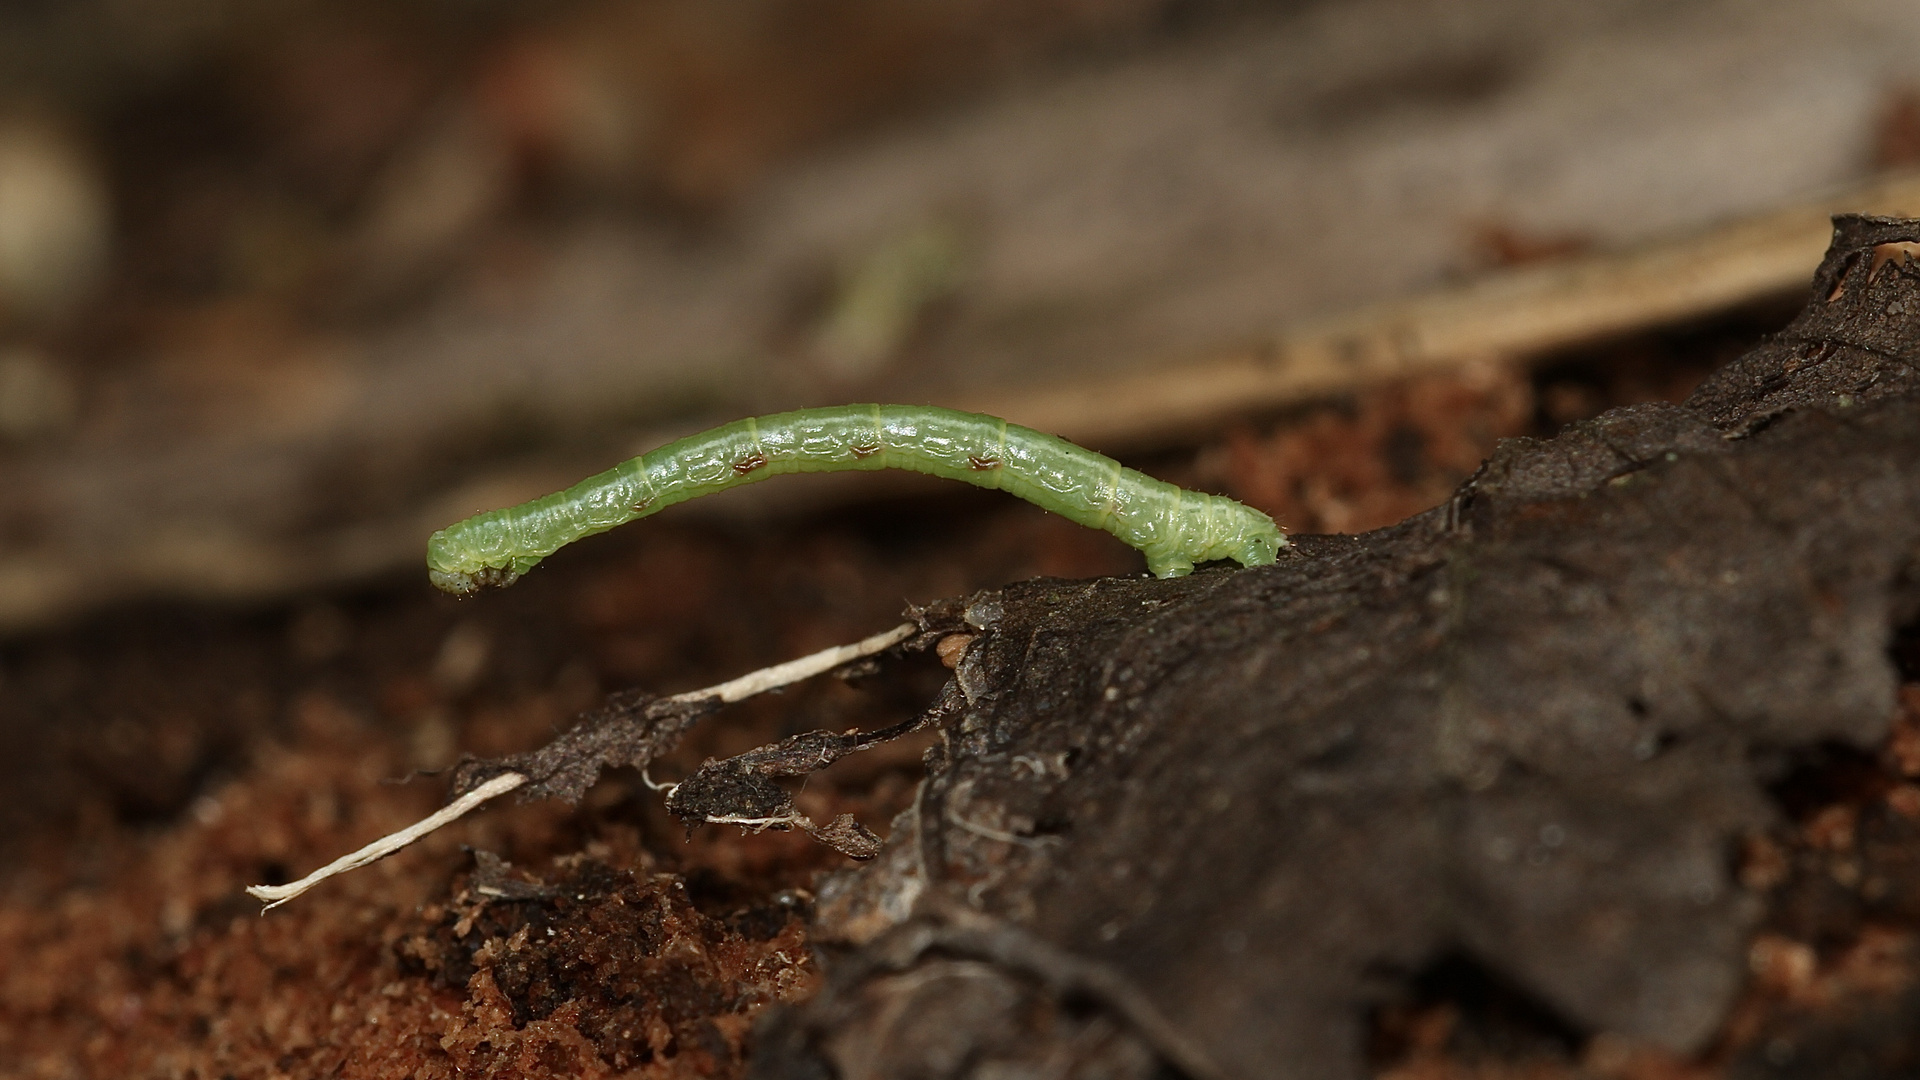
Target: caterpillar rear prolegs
1172	527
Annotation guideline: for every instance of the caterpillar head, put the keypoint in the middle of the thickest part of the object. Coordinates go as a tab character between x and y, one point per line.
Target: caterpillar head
1246	535
459	561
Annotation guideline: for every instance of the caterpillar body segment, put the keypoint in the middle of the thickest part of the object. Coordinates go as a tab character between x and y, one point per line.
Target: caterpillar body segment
1172	527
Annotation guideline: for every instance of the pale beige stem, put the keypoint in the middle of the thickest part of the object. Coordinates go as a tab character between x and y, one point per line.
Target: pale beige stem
275	895
746	686
793	671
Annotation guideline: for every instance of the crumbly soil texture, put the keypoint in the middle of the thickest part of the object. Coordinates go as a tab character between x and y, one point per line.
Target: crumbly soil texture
1604	761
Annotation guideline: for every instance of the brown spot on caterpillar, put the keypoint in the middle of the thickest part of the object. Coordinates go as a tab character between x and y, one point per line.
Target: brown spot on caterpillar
749	463
641	506
982	464
861	450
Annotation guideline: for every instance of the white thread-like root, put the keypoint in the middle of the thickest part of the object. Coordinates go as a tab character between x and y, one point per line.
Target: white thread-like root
794	671
952	814
746	686
760	824
275	895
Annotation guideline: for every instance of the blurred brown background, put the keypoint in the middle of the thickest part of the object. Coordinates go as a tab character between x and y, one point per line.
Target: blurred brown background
285	285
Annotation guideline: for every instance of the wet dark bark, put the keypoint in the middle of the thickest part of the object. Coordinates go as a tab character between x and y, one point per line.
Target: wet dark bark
1210	822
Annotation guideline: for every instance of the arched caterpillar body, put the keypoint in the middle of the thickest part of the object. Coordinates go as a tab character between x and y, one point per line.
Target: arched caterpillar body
1174	528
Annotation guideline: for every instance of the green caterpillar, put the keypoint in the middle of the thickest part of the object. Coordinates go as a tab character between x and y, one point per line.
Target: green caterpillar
1174	528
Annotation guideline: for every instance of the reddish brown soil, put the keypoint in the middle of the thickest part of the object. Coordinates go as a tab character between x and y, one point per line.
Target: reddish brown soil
164	758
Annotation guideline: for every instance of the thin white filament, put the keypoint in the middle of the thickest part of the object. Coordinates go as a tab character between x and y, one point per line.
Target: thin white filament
746	686
793	671
275	895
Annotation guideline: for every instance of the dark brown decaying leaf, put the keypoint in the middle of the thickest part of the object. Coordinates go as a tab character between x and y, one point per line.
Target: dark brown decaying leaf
741	789
1221	816
632	728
